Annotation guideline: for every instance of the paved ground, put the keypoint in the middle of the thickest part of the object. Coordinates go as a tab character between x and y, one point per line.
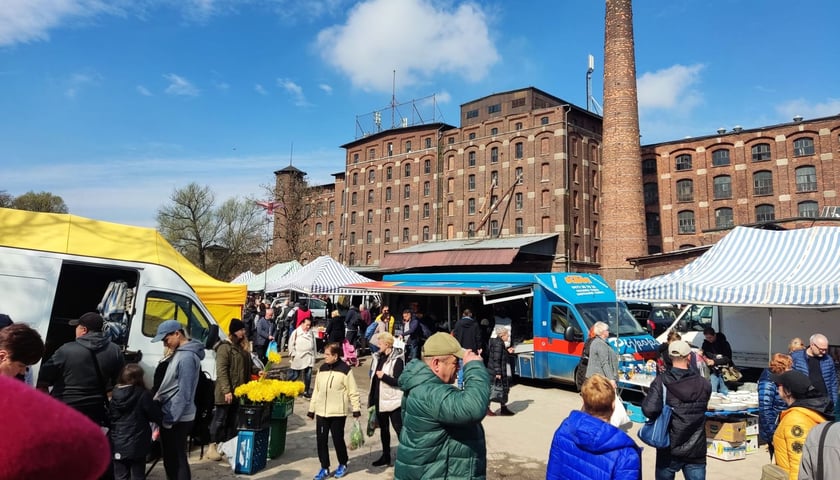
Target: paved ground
517	446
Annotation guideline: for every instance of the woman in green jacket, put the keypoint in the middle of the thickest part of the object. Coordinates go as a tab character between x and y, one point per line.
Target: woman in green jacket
333	398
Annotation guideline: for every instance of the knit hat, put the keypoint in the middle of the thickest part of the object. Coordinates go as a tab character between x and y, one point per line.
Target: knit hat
235	326
794	381
441	344
51	440
90	320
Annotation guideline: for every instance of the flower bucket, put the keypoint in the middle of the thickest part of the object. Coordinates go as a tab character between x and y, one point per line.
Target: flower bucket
282	407
277	437
253	417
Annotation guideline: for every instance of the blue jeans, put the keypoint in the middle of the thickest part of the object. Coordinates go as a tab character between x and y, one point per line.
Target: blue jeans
296	374
691	471
718	385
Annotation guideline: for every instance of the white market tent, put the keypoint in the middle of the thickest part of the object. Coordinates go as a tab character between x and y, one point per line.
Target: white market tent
323	275
750	267
273	275
243	277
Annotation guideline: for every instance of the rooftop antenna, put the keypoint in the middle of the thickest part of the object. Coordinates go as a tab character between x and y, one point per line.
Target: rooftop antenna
393	97
589	70
291	152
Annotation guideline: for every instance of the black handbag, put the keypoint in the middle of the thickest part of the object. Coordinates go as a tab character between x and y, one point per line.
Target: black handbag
498	392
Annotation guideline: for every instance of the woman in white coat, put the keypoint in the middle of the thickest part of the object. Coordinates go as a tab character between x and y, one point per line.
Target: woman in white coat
302	347
386	367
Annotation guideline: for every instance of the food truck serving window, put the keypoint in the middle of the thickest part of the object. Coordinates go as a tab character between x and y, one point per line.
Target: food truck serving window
508	294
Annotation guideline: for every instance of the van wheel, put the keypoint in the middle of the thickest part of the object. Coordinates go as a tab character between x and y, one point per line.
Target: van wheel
579	378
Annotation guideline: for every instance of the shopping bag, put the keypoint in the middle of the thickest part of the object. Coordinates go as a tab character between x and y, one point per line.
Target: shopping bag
272	347
357	439
498	391
619	417
655	432
373	422
773	472
731	374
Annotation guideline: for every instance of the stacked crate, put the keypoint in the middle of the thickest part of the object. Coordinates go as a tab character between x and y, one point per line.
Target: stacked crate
726	438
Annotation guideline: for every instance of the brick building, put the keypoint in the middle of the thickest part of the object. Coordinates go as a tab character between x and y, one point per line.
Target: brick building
501	174
696	189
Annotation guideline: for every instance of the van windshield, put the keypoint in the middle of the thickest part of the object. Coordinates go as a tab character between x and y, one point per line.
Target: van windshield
611	314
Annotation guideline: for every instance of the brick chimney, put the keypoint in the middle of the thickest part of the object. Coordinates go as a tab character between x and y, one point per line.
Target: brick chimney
623	232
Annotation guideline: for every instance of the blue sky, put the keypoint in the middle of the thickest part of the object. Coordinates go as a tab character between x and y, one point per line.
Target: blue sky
112	104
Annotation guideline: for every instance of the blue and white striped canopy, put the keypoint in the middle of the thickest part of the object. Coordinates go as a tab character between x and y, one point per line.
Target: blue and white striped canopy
751	267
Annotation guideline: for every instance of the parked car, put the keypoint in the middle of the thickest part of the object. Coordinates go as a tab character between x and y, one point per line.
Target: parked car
316	305
655	317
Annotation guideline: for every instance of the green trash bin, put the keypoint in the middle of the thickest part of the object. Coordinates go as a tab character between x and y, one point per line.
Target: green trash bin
282	408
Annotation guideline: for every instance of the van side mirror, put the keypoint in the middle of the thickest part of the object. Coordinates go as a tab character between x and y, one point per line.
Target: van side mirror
572	334
212	336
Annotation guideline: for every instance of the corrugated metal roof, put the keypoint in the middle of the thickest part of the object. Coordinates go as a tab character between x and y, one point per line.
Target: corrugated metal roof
475	244
496	256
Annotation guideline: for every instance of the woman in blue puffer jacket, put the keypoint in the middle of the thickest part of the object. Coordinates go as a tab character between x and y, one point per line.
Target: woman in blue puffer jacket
587	446
770	404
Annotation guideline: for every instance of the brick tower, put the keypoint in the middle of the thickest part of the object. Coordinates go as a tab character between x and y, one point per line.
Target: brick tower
623	231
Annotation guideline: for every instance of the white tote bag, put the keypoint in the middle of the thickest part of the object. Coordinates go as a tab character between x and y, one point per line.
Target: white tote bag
619	417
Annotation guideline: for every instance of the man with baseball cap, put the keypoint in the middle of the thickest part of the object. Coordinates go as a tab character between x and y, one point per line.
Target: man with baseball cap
688	394
807	407
177	396
442	436
233	368
82	372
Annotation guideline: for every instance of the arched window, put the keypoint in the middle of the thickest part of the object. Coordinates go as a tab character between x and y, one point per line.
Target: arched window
803	146
494	155
722	187
720	157
407	170
685	190
651	192
426	234
809	209
387	238
724	218
683	162
763	182
387	194
427	167
760	152
806	179
686	222
406	212
765	213
371	175
370	216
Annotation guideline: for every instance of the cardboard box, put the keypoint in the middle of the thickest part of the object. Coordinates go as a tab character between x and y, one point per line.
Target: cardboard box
727	451
752	444
752	425
732	432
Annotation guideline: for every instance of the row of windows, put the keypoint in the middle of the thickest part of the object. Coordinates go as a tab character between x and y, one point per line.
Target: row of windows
724	217
389	172
806	181
760	153
519	229
389	149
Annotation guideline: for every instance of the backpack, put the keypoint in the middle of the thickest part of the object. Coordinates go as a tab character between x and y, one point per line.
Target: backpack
580	371
371	330
204	399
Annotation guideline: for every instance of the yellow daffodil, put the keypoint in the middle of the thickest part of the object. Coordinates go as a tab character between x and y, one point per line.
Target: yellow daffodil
268	390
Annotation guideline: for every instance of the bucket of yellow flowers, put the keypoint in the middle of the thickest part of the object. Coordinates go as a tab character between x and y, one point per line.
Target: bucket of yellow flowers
267	403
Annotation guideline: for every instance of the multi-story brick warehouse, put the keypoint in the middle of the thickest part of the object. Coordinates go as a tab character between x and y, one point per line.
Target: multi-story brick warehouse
501	174
696	189
403	187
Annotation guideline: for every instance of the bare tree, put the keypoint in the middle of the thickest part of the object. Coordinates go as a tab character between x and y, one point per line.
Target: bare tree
219	240
6	199
39	202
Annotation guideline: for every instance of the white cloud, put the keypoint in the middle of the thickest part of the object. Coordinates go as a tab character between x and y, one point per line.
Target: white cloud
326	88
180	86
807	109
670	88
443	97
143	91
77	81
223	86
260	89
420	39
294	90
25	21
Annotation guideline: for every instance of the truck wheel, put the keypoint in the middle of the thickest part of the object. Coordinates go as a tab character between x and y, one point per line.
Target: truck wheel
579	378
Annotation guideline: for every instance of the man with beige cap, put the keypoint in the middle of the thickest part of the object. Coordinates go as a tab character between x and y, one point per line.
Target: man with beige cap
442	436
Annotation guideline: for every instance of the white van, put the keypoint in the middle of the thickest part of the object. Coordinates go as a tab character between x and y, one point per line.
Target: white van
46	290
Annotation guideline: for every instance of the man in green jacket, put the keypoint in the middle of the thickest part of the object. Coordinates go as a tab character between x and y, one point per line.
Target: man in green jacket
442	436
233	368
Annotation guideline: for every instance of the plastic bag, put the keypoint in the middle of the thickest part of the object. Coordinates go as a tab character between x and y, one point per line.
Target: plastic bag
272	347
373	422
357	438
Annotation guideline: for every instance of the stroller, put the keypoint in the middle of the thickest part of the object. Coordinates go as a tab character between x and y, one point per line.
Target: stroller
350	355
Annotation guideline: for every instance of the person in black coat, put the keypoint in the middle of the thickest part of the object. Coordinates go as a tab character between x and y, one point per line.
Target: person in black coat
688	395
468	332
498	364
718	354
130	412
335	328
352	321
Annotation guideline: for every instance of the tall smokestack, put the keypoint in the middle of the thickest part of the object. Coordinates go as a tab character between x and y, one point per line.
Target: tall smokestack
623	232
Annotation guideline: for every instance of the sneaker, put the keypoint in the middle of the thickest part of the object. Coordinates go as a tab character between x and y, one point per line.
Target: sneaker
506	412
323	474
340	471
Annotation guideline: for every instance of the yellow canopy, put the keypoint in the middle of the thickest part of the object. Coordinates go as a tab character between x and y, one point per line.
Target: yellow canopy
63	233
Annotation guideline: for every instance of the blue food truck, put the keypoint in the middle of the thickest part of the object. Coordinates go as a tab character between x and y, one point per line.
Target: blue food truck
550	314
